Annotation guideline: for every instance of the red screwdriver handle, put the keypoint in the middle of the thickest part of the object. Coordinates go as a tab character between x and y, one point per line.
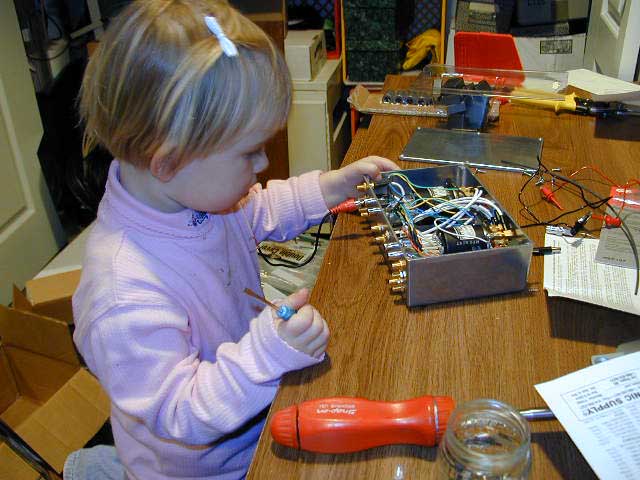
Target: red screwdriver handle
346	424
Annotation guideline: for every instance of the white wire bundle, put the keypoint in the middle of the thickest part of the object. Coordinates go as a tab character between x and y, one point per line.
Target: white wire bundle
463	205
464	215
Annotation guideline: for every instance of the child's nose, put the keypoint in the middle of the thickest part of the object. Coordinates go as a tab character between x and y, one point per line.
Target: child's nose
260	163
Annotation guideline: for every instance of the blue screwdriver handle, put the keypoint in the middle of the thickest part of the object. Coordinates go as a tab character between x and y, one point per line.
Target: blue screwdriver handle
285	312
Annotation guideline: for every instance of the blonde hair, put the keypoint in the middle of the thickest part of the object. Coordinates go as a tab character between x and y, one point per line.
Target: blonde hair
159	81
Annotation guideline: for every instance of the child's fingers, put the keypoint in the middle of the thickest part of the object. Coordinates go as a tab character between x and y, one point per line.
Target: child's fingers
372	166
304	327
299	323
318	352
383	163
297	299
319	344
314	331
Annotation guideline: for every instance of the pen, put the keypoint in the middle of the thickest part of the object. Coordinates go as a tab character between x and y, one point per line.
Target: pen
283	311
545	250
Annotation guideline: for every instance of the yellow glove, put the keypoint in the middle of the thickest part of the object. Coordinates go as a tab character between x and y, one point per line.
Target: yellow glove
420	46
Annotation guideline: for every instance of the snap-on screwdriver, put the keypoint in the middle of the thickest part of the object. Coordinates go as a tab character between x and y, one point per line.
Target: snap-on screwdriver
283	311
347	424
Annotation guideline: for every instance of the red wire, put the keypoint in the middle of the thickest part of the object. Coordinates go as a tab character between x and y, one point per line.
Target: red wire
349	205
625	187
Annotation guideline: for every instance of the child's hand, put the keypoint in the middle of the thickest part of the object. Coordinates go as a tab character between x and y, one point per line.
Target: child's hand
338	185
306	331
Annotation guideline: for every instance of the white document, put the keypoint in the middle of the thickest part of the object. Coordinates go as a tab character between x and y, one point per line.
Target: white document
602	87
574	273
599	407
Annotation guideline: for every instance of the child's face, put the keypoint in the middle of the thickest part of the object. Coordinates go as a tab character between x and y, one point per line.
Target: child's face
218	181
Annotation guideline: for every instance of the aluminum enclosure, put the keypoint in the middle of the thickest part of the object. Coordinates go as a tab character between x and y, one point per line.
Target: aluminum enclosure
452	276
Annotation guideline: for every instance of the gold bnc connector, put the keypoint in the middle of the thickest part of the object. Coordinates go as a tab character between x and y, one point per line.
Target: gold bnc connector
399	265
364	186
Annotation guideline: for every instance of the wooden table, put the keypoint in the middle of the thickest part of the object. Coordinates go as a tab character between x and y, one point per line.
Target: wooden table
496	347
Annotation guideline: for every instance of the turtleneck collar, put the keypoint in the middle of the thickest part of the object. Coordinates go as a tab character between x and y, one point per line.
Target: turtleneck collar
186	223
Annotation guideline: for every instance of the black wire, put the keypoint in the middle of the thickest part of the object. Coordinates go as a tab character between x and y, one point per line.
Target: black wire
594	206
601	201
537	222
296	265
59	54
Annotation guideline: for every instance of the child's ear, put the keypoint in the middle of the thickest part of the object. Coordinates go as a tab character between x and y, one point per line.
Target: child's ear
163	164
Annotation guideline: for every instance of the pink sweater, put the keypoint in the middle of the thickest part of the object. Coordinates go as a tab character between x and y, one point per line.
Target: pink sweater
188	359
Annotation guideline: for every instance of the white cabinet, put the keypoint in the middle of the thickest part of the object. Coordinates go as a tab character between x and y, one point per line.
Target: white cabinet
317	139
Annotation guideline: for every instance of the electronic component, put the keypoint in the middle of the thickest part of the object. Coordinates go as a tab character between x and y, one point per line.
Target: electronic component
464	238
444	235
580	223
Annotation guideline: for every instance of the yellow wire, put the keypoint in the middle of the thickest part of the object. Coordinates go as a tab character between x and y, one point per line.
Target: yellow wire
423	200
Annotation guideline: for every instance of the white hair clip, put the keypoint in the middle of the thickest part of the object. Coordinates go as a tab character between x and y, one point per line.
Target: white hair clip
228	47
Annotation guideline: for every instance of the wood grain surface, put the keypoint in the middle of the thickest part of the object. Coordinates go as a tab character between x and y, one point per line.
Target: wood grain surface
496	347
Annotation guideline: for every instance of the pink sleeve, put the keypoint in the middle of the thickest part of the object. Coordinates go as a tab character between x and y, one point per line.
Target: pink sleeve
286	208
147	365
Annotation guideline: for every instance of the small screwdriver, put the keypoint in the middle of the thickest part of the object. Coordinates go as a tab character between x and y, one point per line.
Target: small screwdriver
285	312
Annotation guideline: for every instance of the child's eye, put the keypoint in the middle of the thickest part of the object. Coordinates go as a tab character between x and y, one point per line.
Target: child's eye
254	153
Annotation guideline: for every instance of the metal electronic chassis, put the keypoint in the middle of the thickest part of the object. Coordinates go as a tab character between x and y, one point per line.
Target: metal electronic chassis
444	235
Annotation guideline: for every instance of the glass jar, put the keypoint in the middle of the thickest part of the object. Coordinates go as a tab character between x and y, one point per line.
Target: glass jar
485	440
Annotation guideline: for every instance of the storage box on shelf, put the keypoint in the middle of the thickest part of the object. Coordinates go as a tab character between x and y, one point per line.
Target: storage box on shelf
371	19
529	12
305	52
372	60
318	134
372	39
484	16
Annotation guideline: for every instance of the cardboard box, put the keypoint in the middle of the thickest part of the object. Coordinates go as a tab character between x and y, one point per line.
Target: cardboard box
49	296
53	404
546	54
551	54
305	52
535	12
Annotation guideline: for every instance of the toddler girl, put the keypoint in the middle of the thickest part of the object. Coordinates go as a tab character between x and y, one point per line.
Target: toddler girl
184	94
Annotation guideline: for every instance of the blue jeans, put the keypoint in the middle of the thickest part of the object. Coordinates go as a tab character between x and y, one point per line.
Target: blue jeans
97	463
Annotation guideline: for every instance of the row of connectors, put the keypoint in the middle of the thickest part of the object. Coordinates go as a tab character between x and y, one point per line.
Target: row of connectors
392	248
406	97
